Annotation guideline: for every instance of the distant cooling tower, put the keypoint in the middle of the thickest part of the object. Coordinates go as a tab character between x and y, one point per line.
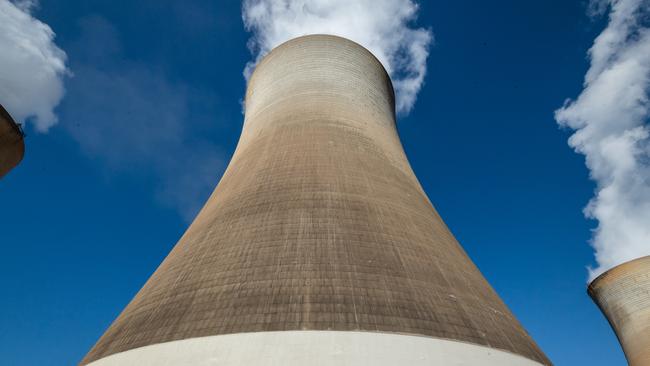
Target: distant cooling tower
318	246
12	147
623	294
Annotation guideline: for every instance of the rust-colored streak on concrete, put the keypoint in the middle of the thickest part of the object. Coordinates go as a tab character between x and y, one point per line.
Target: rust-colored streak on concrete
318	224
12	147
623	294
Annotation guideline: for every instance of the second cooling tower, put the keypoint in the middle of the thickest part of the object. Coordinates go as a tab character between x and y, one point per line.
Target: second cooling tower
623	295
12	146
318	246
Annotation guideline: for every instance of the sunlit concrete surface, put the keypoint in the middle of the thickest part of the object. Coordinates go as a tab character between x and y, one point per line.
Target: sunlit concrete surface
314	348
623	294
318	223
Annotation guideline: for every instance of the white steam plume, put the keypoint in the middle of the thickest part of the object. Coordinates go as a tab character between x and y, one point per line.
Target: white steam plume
32	67
382	26
611	121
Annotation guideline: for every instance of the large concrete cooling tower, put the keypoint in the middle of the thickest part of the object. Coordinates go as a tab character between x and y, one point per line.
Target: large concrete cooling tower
12	146
318	246
623	295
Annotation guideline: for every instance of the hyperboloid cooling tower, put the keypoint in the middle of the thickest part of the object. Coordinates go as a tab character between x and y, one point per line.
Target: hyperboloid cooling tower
12	146
318	246
623	295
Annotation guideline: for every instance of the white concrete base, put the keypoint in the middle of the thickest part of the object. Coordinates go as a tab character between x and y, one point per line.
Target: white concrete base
313	348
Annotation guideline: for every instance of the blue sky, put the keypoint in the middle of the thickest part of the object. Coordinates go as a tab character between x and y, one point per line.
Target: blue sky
152	114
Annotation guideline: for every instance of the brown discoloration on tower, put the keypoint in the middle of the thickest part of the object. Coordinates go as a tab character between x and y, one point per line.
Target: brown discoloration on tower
318	224
12	147
623	295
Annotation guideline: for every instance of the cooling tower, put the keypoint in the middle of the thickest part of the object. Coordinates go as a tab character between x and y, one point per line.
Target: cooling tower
623	295
318	246
12	147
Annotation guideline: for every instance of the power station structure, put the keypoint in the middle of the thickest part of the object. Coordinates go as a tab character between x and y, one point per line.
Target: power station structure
12	146
623	295
318	246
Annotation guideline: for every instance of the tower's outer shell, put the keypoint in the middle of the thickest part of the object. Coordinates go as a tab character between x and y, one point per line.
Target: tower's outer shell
623	295
318	246
12	146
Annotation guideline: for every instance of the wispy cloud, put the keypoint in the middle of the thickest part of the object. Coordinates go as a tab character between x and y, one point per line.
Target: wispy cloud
610	118
130	116
385	27
32	67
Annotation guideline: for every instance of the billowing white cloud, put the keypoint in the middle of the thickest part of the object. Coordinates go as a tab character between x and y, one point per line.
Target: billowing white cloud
32	67
382	26
611	118
25	5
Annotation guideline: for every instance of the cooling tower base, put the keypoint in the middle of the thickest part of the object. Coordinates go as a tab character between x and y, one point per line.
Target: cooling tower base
317	348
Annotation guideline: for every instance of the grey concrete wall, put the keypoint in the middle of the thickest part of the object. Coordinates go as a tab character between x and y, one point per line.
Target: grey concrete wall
623	295
314	348
318	223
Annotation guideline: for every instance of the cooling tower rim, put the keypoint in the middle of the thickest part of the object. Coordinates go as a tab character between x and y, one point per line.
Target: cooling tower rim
614	271
323	36
5	116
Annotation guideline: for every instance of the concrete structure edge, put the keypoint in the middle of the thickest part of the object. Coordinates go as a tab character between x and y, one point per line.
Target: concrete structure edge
310	347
